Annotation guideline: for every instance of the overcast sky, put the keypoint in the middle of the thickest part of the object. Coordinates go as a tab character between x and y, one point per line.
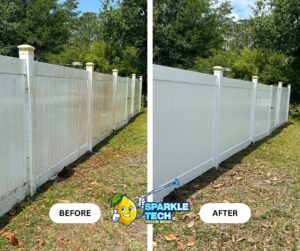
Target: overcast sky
241	8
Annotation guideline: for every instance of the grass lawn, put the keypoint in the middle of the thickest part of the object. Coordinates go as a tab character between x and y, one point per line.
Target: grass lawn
117	165
265	176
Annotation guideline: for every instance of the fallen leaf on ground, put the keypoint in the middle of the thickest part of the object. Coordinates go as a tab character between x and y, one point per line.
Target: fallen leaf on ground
191	224
265	225
64	201
61	242
233	238
94	183
154	244
191	241
240	239
180	246
11	238
251	240
217	185
20	249
274	224
238	178
12	212
226	201
170	237
42	242
187	215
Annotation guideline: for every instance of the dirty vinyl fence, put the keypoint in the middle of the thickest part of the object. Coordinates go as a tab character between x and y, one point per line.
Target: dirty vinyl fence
51	115
200	120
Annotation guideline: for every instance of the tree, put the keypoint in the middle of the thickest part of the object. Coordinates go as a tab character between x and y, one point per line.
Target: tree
185	29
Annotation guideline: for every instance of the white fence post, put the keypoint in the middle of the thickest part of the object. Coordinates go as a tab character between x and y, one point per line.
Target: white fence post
288	103
115	86
132	94
270	109
218	72
26	52
253	107
278	101
90	68
140	99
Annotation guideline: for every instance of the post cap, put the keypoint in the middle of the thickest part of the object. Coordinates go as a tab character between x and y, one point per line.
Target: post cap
89	64
255	77
26	47
115	70
141	77
280	83
133	75
218	68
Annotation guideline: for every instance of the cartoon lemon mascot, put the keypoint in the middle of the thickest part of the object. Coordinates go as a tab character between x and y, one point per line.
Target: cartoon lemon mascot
125	210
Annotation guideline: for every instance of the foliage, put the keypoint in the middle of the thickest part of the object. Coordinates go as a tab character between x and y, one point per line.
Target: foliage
270	66
185	29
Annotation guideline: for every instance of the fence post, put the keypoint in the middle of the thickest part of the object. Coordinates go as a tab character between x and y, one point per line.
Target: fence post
140	99
218	72
132	94
253	107
26	52
115	85
270	109
278	101
90	68
288	103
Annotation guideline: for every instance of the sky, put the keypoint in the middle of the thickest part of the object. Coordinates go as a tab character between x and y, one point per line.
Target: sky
89	5
241	8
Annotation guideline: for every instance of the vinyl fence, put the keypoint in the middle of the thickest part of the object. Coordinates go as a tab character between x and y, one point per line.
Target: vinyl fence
51	115
201	119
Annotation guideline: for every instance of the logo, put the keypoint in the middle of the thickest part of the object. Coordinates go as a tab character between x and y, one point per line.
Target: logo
126	211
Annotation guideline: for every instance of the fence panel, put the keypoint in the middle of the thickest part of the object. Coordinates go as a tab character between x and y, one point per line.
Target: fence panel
121	103
102	106
183	131
234	119
261	126
59	118
198	123
273	108
283	105
137	96
13	173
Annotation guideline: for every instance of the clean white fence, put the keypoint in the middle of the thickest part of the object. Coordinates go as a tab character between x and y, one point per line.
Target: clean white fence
200	120
50	116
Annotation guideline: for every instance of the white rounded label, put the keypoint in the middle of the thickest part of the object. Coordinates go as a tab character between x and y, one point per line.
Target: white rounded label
74	213
225	213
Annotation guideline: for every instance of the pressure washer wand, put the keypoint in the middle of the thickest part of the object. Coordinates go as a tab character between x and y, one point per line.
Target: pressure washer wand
174	182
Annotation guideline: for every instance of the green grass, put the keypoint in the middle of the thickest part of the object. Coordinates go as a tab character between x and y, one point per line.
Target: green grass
117	165
265	176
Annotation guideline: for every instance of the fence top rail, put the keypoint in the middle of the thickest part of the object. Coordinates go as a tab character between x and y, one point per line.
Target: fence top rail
58	71
103	76
236	83
10	65
170	74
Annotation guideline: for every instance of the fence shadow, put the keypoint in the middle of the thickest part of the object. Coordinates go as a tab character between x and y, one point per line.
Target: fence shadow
66	173
183	193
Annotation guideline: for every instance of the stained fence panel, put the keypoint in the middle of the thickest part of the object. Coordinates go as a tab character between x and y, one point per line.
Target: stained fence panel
137	96
121	104
59	118
13	173
183	131
235	114
102	106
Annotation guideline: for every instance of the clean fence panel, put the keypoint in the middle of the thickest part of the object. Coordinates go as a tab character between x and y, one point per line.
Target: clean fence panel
261	127
13	173
121	103
59	118
235	113
183	131
199	120
102	106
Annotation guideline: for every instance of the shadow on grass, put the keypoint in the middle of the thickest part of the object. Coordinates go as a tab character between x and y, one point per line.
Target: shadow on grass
66	173
183	193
